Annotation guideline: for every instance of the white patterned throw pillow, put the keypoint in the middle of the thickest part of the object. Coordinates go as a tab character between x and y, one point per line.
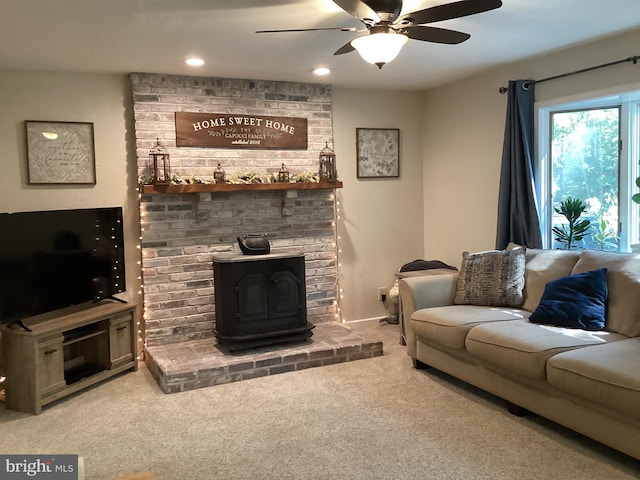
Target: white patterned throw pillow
492	278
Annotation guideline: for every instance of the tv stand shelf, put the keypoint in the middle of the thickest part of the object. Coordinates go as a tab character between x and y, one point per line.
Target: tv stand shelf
67	351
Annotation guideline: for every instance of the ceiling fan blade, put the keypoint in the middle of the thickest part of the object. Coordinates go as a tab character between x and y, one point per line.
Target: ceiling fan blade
449	11
437	35
342	29
358	9
346	48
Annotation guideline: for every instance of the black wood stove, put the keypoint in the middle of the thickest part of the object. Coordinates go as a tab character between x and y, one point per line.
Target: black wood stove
260	299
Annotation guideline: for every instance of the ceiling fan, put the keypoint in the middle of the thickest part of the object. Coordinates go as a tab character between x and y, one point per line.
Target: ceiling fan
388	30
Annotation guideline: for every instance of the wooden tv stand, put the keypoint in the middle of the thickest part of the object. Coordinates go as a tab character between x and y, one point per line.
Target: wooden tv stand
67	351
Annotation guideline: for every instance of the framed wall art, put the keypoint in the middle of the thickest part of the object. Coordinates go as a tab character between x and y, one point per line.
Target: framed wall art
378	152
60	153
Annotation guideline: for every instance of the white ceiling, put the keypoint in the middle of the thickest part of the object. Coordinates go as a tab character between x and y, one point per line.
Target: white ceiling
122	36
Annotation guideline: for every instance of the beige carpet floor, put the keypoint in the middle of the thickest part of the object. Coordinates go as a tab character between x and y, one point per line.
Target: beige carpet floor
368	419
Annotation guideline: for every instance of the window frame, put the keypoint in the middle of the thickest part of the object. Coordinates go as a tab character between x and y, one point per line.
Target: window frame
627	98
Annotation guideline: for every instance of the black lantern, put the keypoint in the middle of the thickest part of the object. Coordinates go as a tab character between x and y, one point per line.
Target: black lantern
328	171
159	164
283	174
219	176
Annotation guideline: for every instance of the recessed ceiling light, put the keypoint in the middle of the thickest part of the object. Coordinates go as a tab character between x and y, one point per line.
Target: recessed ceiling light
321	71
194	62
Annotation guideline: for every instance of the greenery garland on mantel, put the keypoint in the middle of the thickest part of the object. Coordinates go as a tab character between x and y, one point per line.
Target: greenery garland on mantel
249	181
246	178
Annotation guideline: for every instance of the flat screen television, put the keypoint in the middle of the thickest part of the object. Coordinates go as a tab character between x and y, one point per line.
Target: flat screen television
55	259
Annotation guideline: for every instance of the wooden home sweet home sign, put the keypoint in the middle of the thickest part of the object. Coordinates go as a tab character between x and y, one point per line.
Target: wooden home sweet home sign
224	130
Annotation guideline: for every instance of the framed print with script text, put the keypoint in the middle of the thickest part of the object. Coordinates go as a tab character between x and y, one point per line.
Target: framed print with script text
60	153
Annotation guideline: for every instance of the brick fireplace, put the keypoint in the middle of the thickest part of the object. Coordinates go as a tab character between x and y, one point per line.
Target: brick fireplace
181	232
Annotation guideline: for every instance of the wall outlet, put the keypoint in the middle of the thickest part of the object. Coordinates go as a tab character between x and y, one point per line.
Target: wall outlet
382	293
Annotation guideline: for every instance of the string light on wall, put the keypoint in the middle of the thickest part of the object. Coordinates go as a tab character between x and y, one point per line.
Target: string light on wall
141	294
338	251
141	324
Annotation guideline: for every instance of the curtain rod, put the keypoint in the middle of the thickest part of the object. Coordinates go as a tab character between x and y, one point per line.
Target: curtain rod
633	59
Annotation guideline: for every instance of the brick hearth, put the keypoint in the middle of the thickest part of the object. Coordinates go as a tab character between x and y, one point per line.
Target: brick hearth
183	366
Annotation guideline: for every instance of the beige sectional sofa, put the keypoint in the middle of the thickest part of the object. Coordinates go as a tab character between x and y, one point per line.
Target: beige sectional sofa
586	380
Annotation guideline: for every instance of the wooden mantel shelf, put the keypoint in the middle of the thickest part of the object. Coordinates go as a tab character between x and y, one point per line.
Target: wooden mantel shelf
239	187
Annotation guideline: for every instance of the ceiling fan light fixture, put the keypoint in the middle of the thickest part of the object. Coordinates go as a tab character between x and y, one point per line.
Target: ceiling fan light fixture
379	48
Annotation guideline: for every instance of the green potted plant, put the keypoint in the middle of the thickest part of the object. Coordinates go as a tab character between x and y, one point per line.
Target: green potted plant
636	197
605	236
575	229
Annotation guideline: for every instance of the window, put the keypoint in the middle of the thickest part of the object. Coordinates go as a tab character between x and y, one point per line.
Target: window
588	150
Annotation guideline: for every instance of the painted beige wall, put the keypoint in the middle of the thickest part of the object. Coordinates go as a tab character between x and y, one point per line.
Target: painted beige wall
463	134
381	222
101	99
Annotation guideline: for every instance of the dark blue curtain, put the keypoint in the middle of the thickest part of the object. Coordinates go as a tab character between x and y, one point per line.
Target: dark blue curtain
517	212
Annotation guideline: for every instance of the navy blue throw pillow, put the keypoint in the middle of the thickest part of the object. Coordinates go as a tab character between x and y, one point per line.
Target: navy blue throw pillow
576	301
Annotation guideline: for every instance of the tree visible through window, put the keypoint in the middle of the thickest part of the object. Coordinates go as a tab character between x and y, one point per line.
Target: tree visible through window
585	157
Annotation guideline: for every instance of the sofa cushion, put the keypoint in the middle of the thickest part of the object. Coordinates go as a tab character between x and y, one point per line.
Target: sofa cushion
574	301
623	278
491	278
605	374
523	348
448	326
541	267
